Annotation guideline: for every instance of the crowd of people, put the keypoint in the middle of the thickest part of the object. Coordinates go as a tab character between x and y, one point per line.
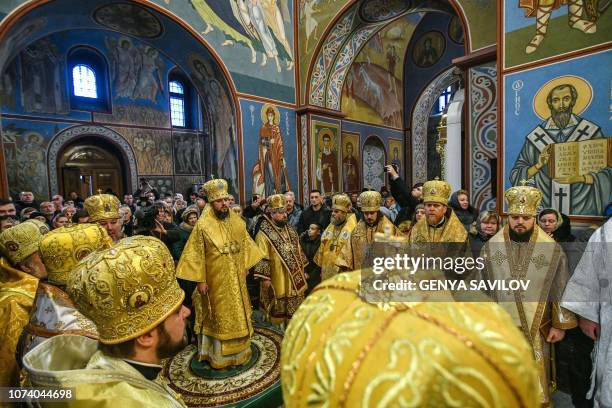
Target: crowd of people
181	253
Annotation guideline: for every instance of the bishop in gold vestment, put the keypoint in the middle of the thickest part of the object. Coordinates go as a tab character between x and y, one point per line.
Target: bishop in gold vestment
20	270
352	254
281	270
218	255
335	236
440	223
522	250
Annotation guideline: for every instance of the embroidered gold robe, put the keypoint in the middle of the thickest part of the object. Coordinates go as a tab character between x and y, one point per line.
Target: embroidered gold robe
283	263
54	313
220	253
69	361
351	255
451	231
17	292
332	241
543	263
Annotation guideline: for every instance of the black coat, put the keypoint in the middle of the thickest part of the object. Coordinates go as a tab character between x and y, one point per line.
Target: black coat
310	248
310	216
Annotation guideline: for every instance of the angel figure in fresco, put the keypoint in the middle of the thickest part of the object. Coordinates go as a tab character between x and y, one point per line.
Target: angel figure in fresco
542	9
270	174
150	79
124	60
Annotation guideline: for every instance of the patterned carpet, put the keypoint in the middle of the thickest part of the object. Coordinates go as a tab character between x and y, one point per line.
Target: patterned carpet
253	384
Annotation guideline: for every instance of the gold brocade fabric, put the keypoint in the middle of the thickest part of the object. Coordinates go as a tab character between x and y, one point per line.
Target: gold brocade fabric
220	253
340	351
17	291
332	241
351	255
70	361
282	252
54	313
452	231
544	265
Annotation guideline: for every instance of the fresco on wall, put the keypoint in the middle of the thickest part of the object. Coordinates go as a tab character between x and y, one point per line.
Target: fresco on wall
481	17
134	115
129	19
43	84
220	119
396	154
534	32
374	161
428	49
8	85
163	185
560	133
137	71
372	90
269	148
455	30
253	38
25	153
153	149
483	134
187	153
351	159
326	155
184	184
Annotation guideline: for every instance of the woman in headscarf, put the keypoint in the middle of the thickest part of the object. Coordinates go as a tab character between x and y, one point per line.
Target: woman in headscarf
406	226
460	203
556	225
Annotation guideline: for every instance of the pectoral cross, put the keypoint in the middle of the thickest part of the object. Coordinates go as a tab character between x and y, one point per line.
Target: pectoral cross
99	191
560	194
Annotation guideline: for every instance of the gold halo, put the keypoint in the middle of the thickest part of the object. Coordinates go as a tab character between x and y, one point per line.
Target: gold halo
276	113
332	138
583	87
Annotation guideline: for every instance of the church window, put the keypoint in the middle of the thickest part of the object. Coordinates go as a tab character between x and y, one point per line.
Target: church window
177	103
84	81
444	100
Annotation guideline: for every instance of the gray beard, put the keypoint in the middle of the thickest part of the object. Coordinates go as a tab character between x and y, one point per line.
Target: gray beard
337	222
561	118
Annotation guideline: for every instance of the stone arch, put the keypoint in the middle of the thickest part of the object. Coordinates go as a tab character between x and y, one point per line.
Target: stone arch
71	134
420	117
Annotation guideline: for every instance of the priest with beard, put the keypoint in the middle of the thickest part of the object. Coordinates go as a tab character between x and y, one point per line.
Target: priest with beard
523	251
140	318
218	256
352	255
440	223
281	271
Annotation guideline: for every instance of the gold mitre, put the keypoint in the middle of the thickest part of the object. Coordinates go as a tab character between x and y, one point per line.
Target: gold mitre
63	248
523	199
367	353
102	207
277	202
19	242
370	201
436	191
43	227
216	189
127	289
341	202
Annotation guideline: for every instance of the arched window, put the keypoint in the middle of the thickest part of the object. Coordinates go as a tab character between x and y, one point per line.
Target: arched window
177	103
444	99
88	80
84	81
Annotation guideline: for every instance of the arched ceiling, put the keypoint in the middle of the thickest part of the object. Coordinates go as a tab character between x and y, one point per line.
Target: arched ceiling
342	44
327	26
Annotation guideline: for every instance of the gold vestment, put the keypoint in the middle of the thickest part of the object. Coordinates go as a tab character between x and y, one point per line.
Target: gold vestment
283	264
220	253
351	255
70	361
543	263
333	239
17	292
341	351
451	231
